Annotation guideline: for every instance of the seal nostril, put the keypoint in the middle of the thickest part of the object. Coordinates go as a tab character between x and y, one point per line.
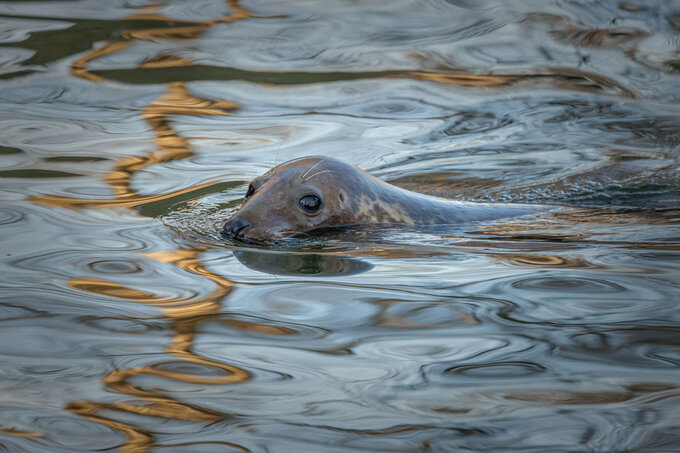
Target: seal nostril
236	226
233	227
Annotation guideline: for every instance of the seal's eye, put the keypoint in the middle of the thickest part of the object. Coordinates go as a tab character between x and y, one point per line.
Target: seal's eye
250	191
310	203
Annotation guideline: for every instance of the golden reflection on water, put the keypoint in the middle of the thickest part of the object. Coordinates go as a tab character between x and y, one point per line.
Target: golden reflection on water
150	13
540	260
79	67
16	433
460	79
238	12
186	315
136	439
177	101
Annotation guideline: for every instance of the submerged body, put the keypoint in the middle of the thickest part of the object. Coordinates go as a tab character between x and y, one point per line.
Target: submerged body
321	192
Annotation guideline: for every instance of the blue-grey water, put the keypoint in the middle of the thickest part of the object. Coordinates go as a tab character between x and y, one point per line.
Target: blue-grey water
129	130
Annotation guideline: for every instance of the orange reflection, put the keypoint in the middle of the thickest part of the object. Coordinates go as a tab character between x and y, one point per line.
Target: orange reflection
186	315
151	13
567	78
137	440
79	67
165	61
17	433
259	328
177	101
459	79
538	260
106	288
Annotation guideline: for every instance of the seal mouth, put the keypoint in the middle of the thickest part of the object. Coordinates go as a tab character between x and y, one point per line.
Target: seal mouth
288	239
227	234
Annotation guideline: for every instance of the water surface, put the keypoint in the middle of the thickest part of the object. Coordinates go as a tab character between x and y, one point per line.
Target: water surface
130	129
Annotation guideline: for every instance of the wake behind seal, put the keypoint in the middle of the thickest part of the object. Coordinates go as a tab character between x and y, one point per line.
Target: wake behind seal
322	192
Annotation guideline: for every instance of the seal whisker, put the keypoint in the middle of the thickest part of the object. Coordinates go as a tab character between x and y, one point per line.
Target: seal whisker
295	232
312	168
318	173
276	156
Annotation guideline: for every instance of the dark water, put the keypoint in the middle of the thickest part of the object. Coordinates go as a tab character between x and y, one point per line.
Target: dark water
129	130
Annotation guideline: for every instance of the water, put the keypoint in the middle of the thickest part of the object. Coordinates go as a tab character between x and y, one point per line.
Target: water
129	131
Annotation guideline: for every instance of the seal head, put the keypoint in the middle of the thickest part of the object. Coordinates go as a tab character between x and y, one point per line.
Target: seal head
296	197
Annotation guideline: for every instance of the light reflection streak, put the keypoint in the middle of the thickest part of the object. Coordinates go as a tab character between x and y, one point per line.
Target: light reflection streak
177	101
185	314
18	433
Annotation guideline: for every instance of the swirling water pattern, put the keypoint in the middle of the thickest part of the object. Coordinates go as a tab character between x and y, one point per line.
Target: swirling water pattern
129	130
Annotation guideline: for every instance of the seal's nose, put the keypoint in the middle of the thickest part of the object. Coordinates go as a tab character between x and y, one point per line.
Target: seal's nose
234	227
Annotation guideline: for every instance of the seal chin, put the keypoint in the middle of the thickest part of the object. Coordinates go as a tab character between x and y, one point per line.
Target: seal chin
227	234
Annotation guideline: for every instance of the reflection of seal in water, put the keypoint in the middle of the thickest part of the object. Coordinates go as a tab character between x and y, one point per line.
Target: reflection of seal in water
320	192
301	264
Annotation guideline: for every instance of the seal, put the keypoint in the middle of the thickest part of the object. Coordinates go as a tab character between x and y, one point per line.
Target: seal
322	192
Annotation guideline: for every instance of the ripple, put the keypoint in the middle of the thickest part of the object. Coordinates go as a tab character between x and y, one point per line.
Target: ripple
234	326
8	216
498	370
295	43
115	267
558	299
10	311
37	429
200	219
76	433
474	122
117	324
190	372
74	263
207	10
17	30
301	367
125	325
117	239
423	350
11	59
392	108
413	314
649	346
322	305
29	134
303	264
39	343
573	286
